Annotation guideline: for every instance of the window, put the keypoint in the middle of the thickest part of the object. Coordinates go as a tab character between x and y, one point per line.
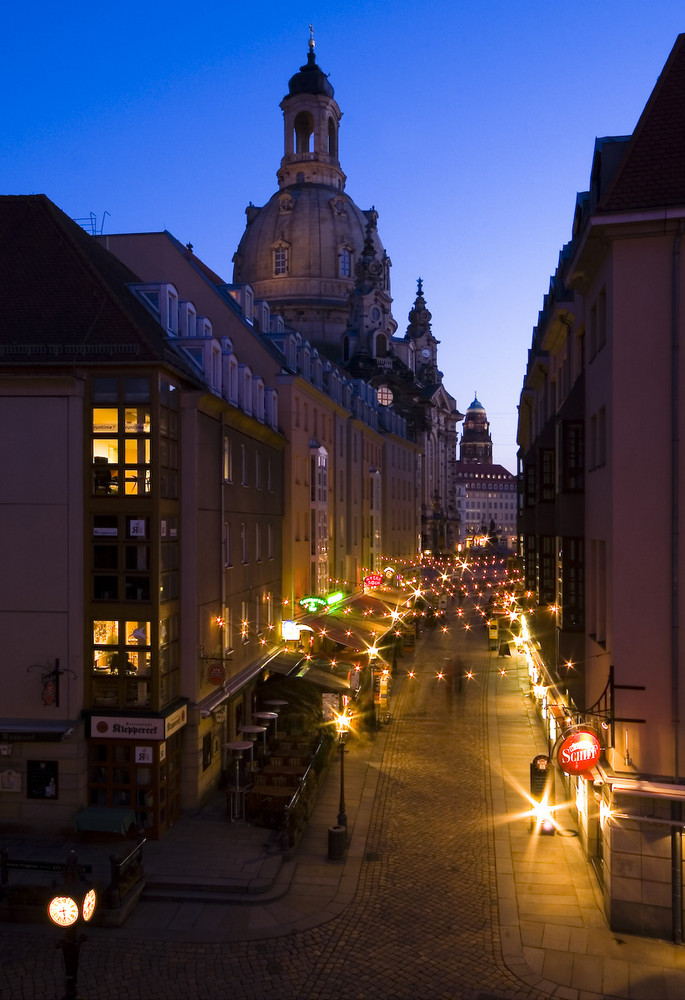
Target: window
530	485
228	550
243	465
121	564
572	583
345	263
243	542
228	460
280	261
547	475
121	663
121	438
571	457
547	570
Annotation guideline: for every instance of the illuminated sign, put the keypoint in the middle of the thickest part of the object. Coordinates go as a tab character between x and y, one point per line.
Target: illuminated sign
334	598
289	630
373	580
579	752
312	604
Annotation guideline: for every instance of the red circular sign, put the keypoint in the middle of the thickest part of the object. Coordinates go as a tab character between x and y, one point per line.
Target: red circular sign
579	752
216	673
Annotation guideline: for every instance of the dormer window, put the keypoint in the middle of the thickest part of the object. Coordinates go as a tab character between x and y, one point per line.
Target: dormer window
172	312
186	319
246	389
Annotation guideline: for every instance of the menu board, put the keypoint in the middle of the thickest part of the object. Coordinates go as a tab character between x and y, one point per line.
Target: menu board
41	779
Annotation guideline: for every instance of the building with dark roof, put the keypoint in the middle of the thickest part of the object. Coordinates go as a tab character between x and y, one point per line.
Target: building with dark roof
135	470
607	657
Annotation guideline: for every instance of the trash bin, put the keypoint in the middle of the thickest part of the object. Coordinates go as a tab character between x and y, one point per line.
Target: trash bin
337	842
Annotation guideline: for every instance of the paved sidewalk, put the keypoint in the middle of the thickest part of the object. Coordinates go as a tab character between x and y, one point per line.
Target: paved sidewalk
553	930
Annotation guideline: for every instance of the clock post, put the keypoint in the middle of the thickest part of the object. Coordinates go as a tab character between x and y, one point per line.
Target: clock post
74	903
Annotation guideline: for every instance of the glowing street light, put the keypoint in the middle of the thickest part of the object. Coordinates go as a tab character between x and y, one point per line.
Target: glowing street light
343	722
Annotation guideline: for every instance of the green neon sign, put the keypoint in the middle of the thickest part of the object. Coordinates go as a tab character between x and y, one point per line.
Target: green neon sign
312	604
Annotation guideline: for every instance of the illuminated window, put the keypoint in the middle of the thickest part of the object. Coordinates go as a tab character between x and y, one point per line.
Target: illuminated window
121	663
121	446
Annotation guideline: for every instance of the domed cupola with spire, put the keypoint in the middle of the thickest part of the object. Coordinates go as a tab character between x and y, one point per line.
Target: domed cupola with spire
299	251
476	441
419	335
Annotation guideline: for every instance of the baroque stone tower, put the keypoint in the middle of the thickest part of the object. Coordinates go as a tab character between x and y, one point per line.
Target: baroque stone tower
305	250
476	440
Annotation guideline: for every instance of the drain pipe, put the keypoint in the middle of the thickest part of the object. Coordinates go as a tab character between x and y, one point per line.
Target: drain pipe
676	807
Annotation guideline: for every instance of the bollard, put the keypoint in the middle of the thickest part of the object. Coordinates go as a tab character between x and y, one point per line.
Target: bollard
337	842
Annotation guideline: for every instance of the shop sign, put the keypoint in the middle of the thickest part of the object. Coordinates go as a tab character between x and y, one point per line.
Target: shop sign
216	673
176	720
312	604
120	727
579	752
373	580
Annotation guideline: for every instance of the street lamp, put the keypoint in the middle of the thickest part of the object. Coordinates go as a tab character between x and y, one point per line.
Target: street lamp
75	901
342	727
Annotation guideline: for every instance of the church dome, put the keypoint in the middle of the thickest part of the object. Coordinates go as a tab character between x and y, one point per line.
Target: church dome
310	80
313	236
299	251
476	405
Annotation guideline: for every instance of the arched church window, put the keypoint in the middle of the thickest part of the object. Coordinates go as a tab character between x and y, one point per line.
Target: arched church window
332	138
304	133
346	348
381	346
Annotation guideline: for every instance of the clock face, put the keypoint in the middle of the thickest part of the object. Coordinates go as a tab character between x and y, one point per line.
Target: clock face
425	353
63	910
89	901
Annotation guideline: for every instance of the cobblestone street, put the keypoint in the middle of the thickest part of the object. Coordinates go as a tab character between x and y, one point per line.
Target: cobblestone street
423	921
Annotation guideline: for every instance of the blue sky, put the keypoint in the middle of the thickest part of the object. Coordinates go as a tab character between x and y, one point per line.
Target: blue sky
469	126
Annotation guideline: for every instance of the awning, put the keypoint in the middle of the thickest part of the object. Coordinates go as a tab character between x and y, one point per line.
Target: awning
285	663
34	730
274	660
102	819
326	681
357	635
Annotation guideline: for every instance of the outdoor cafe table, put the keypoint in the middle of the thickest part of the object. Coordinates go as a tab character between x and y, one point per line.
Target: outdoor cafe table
271	799
252	732
275	705
265	718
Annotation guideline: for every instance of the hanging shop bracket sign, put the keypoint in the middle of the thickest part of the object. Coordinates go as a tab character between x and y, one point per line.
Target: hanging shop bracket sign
579	752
